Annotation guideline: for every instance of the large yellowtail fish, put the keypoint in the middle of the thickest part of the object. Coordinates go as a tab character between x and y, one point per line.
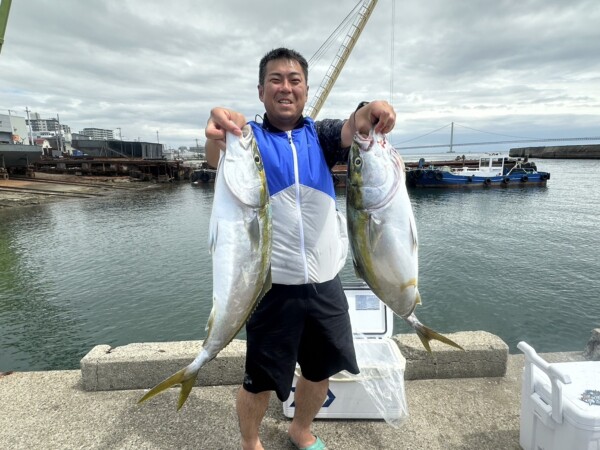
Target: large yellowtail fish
240	243
382	229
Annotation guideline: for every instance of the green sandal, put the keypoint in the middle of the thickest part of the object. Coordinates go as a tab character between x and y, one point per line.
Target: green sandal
318	445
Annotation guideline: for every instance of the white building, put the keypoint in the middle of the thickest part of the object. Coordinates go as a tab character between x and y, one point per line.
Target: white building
98	134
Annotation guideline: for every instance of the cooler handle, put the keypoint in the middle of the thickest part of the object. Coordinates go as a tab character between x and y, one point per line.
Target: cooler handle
553	372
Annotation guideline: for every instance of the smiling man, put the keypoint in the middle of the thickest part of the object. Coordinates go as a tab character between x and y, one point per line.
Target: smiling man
304	317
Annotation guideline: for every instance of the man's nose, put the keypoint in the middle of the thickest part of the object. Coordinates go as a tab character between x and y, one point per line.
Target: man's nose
286	85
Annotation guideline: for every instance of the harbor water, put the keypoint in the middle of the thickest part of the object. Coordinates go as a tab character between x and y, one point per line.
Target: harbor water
521	263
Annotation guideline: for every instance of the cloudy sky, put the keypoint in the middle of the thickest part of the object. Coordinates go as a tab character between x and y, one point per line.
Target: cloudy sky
527	68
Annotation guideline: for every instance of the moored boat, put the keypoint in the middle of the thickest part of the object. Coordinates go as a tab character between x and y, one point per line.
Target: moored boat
203	176
492	171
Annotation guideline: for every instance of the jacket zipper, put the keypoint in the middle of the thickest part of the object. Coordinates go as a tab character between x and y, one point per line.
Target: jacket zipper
298	205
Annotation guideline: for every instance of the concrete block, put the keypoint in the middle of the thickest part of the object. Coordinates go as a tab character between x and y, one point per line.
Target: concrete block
484	355
143	365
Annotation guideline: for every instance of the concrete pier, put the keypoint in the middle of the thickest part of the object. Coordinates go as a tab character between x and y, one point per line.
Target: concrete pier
558	152
57	410
142	366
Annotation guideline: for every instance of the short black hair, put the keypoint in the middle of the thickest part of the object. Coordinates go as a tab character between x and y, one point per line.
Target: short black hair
281	53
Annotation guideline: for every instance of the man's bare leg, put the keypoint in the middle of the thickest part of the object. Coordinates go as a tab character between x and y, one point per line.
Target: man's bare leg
251	409
308	398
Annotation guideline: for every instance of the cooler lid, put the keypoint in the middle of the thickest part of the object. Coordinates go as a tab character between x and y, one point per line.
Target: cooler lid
581	397
368	315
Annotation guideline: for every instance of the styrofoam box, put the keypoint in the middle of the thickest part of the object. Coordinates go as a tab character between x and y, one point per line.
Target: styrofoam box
560	404
347	397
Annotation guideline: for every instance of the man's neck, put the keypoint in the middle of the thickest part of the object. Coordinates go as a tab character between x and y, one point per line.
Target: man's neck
271	127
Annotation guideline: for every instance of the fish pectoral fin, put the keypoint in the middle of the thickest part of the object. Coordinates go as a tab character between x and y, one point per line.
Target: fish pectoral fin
374	231
413	233
253	228
181	377
212	236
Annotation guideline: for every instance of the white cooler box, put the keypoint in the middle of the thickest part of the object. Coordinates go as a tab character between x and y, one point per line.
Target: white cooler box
560	404
347	397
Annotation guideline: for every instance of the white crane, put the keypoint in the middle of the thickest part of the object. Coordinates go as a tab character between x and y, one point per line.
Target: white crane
336	66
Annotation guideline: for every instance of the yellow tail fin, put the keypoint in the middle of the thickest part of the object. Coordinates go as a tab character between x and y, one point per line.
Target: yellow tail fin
427	334
185	380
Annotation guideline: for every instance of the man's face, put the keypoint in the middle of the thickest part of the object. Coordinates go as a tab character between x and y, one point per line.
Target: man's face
284	92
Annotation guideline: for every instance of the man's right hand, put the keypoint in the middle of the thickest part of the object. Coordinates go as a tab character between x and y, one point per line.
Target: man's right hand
221	121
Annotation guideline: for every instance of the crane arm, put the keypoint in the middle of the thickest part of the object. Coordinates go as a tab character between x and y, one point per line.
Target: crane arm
4	9
340	59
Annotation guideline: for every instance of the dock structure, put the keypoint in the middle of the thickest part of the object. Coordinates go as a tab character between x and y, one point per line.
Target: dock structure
558	152
159	170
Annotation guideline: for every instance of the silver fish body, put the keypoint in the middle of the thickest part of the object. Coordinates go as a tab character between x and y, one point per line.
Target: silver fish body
382	229
240	244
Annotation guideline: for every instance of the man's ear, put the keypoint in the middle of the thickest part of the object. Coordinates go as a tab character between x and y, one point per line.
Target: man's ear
261	92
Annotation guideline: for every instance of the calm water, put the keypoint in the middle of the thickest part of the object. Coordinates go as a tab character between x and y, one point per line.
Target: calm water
519	263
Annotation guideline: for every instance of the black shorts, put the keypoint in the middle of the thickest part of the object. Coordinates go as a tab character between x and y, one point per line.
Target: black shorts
308	324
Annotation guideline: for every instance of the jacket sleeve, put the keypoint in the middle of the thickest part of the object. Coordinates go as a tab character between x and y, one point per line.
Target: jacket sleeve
329	132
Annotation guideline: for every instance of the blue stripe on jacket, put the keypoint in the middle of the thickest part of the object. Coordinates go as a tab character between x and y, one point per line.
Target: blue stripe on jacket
278	158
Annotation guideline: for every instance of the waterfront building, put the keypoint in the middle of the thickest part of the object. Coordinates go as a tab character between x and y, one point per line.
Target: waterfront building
98	134
47	127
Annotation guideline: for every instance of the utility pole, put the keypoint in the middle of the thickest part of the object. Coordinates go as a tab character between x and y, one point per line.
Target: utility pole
12	131
4	10
29	130
59	142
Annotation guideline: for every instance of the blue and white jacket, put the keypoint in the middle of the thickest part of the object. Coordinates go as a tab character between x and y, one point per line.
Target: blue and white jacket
310	241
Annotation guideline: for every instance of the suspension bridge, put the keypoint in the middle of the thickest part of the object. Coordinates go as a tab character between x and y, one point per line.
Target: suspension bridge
513	139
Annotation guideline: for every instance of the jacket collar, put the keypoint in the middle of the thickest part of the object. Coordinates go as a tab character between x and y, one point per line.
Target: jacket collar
269	126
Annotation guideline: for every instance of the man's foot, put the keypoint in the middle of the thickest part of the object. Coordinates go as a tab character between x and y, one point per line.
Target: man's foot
318	444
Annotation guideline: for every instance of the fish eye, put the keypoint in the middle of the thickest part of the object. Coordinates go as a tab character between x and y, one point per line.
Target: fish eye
256	159
357	161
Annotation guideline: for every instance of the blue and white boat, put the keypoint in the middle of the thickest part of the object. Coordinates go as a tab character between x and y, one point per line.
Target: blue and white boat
493	171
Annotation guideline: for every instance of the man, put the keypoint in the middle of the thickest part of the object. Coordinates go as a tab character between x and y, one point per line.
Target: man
304	317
